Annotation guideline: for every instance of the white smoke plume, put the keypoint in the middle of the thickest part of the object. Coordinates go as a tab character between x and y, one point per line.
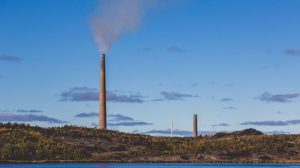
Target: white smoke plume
116	17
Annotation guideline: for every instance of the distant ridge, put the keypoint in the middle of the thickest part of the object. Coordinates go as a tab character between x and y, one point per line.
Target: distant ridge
246	132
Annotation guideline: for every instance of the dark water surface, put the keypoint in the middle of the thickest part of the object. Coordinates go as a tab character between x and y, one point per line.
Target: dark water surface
146	165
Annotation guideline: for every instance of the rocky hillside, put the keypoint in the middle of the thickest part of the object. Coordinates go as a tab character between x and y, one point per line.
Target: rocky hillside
19	142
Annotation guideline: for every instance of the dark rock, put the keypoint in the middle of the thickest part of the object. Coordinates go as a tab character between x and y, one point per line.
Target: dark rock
233	154
221	134
265	157
200	156
184	157
292	153
117	148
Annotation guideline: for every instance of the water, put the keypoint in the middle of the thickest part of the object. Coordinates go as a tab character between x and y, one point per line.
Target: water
146	165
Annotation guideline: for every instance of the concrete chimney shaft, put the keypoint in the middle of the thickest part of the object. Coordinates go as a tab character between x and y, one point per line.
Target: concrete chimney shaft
195	126
102	95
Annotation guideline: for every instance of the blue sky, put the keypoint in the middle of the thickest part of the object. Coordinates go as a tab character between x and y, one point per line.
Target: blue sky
234	63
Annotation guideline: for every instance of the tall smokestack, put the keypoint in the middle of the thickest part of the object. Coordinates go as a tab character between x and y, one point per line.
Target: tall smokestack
195	126
102	95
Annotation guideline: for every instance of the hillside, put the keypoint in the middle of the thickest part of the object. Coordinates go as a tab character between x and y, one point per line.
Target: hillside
19	142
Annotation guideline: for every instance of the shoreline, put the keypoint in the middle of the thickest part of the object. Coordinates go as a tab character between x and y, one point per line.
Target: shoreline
154	161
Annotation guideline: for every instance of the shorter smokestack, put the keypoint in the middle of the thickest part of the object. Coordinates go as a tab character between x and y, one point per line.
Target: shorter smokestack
195	126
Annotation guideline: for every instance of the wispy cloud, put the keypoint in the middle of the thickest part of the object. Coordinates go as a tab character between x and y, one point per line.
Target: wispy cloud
130	123
115	119
5	111
272	123
176	95
10	117
281	98
176	49
21	111
119	117
194	85
221	125
227	99
158	100
80	94
292	52
9	58
28	111
91	94
86	115
132	98
229	108
123	120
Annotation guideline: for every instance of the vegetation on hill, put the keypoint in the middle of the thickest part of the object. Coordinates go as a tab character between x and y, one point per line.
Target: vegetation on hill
21	142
